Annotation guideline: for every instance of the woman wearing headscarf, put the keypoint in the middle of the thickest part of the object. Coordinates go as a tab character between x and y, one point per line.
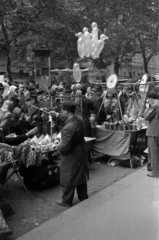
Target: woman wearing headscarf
12	89
6	89
5	117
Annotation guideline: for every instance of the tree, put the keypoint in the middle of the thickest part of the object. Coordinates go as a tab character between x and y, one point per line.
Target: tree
16	19
146	29
130	25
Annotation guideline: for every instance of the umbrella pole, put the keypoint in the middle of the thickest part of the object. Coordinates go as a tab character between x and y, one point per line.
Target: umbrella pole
120	108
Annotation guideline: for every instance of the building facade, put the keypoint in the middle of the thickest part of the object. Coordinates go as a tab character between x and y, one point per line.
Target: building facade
136	68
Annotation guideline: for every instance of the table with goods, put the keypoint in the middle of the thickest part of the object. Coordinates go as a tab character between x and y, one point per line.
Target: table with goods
118	140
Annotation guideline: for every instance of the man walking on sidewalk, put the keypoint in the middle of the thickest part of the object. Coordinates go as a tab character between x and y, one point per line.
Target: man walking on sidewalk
73	164
152	116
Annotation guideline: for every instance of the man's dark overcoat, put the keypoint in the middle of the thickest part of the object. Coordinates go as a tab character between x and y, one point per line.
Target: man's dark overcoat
97	101
73	165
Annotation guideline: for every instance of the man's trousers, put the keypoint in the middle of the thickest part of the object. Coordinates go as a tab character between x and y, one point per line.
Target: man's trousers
68	193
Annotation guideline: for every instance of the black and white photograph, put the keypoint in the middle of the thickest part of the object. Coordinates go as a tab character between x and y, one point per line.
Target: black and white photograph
79	119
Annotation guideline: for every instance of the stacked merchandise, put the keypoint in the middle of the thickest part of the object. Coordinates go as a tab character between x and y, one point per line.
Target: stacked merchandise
41	162
126	124
37	158
31	152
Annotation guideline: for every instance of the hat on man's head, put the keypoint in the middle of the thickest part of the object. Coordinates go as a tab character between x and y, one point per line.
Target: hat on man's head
31	88
84	89
153	95
33	93
98	88
40	91
1	86
68	89
130	87
69	106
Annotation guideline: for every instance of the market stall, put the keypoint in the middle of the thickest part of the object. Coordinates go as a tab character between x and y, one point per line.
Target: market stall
36	160
117	144
118	139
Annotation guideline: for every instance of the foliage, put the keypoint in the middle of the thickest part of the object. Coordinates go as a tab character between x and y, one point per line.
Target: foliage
16	20
131	25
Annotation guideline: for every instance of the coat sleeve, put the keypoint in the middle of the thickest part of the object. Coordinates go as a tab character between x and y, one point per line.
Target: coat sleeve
6	122
90	104
61	118
66	145
149	114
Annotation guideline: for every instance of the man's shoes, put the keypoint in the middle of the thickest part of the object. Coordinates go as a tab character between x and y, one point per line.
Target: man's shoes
149	167
61	203
153	175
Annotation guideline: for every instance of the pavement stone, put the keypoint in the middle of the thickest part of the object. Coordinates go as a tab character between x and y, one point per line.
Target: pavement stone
33	209
126	210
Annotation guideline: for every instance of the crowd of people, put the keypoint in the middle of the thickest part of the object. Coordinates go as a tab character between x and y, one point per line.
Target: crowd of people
26	110
24	107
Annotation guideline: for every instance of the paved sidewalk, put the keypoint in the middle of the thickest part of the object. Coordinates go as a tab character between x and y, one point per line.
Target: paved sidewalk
127	210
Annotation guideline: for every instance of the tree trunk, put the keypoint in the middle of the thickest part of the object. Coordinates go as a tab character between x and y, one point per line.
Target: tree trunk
71	60
116	66
9	71
8	49
145	65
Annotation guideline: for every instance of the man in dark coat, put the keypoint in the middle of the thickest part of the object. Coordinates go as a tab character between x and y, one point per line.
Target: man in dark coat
33	111
21	97
123	97
97	100
73	165
1	92
87	108
152	116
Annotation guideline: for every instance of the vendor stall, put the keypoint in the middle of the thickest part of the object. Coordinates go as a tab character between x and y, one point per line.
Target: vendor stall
36	160
118	139
112	143
116	143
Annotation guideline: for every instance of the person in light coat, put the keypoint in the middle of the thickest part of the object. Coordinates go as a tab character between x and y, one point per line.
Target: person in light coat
152	116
